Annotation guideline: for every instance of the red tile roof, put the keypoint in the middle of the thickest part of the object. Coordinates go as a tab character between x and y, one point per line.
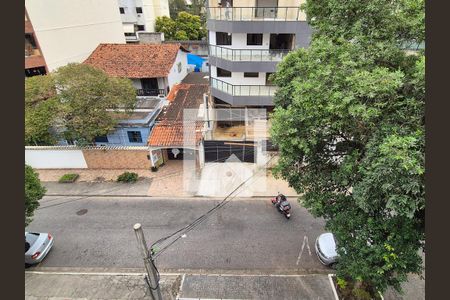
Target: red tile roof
169	129
135	60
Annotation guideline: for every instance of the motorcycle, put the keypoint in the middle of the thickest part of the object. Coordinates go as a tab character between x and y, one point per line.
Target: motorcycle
282	205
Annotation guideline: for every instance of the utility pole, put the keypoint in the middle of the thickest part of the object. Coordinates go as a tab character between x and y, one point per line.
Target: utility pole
152	277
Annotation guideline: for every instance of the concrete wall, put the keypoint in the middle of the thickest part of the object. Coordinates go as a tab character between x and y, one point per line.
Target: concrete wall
237	78
72	157
117	159
175	76
68	31
55	159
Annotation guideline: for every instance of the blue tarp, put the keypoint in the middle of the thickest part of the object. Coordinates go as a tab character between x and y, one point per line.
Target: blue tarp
195	60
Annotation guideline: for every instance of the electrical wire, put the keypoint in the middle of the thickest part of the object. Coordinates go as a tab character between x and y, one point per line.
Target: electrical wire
200	219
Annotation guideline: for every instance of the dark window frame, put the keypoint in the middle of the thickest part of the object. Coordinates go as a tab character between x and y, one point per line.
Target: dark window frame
220	70
139	10
254	39
101	139
122	10
140	27
251	74
134	136
223	38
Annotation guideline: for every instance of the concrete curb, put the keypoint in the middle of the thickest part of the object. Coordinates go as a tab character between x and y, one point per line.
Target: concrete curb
162	196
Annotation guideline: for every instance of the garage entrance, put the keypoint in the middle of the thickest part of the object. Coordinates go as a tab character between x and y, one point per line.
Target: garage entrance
220	151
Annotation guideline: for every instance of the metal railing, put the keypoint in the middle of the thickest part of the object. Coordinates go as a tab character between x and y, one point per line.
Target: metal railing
243	90
150	92
279	13
247	54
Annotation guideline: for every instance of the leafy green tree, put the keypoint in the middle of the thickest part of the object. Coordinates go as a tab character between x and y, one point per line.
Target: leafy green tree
184	27
40	110
349	122
73	102
33	192
167	26
176	6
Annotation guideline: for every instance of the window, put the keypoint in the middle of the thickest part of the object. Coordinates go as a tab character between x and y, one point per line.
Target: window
122	10
139	10
179	67
223	38
101	139
223	73
251	74
254	39
134	136
140	28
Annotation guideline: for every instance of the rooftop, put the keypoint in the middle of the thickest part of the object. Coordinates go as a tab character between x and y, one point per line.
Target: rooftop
169	129
135	60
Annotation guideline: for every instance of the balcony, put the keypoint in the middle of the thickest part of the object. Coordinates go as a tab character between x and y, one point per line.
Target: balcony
32	52
150	92
279	13
247	54
261	95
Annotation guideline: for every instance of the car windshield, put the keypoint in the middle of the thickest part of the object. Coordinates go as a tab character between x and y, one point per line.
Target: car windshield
31	237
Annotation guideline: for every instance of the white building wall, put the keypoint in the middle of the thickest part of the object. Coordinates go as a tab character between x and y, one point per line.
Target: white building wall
175	76
68	31
239	41
237	78
150	10
55	159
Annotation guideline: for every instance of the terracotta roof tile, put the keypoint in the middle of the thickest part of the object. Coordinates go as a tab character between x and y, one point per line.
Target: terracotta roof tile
134	60
169	129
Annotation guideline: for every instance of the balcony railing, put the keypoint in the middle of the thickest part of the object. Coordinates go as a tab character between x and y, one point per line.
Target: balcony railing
243	90
150	92
287	13
247	54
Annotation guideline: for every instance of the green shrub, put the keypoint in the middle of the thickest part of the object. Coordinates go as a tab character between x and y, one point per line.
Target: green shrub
128	177
67	178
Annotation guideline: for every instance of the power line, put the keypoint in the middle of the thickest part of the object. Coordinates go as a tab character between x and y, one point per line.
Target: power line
200	219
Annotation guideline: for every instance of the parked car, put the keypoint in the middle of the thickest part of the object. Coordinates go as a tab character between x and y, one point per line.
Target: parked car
37	246
326	249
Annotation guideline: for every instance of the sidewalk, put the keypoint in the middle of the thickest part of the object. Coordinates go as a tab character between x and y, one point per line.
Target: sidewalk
47	285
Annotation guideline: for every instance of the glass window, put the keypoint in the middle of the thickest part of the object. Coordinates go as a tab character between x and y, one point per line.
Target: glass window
140	28
134	136
223	38
223	73
139	10
254	39
122	10
101	139
251	74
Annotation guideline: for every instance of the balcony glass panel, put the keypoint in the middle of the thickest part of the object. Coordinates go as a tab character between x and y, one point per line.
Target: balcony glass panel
287	13
243	90
247	54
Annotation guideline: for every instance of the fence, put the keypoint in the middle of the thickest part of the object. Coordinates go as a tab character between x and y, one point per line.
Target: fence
92	157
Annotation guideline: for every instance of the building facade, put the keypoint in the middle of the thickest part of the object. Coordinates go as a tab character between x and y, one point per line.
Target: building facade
140	15
58	32
247	39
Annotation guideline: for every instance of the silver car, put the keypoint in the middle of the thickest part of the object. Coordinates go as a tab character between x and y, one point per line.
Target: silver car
326	249
37	245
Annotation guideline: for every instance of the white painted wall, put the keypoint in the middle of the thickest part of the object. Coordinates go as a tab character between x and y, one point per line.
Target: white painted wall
55	159
239	41
237	78
150	10
175	76
68	31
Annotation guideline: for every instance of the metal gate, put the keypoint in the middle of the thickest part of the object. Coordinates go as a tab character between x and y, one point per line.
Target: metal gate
220	151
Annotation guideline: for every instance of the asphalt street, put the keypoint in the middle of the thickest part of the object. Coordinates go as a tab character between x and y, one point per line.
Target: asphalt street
244	235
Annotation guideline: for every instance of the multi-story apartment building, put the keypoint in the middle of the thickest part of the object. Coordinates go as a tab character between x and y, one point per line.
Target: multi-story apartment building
58	32
140	15
247	39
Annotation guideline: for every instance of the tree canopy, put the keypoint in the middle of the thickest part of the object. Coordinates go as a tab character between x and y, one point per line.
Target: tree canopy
184	27
34	191
349	122
73	102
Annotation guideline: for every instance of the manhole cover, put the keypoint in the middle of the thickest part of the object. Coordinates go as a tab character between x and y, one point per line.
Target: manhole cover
82	212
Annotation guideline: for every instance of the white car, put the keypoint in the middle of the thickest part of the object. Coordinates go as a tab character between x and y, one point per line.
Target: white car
326	249
37	245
